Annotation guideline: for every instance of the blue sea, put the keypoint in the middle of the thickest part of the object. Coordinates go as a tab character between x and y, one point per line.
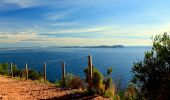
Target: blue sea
119	59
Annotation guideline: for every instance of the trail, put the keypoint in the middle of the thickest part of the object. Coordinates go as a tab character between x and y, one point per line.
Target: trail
14	89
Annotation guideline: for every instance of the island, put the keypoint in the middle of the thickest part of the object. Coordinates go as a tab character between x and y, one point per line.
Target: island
100	46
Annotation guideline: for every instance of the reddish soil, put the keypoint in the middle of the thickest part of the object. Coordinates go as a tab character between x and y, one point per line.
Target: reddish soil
14	89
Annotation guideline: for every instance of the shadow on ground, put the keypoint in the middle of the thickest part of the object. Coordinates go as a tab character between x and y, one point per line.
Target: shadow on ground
73	96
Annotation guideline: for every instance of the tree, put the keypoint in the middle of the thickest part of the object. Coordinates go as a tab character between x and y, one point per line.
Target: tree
152	75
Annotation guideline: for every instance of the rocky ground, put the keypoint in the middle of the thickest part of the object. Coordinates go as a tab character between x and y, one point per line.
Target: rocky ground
15	89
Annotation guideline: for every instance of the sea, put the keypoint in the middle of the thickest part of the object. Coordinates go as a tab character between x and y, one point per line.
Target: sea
120	60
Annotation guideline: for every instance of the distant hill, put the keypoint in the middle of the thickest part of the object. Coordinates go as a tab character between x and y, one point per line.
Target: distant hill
101	46
54	47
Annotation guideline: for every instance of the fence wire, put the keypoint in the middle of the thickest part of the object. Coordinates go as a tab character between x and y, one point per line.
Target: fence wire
74	65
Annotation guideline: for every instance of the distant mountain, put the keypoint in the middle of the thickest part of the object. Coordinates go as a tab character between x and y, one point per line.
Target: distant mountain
101	46
54	47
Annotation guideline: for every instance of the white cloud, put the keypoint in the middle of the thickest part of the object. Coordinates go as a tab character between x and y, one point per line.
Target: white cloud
131	31
126	35
58	15
64	24
25	3
16	37
97	41
47	40
81	30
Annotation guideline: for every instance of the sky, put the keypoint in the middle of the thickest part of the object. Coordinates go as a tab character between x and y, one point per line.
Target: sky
82	22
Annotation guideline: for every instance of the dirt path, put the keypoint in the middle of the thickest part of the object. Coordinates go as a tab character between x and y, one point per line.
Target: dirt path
13	89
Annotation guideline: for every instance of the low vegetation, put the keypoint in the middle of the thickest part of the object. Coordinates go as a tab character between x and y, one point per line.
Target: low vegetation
71	81
4	68
33	75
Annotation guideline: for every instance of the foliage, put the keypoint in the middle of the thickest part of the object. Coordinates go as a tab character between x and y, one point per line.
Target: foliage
4	68
108	79
110	92
152	75
72	81
68	78
34	75
131	93
102	85
16	72
97	78
109	71
110	88
76	83
97	81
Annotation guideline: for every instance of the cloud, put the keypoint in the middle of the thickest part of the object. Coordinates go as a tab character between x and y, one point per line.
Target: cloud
111	31
108	35
16	37
55	15
81	30
64	24
8	6
23	3
32	37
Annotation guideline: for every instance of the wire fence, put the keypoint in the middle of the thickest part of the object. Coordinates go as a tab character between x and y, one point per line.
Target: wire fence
53	68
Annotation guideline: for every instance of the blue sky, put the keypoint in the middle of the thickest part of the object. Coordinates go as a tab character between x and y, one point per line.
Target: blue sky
82	22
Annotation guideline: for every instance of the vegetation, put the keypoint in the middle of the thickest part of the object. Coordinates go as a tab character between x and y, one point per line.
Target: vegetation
4	69
152	75
33	75
72	81
102	85
16	72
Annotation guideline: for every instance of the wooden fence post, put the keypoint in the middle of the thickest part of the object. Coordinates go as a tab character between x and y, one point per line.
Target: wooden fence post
44	72
26	69
90	68
63	73
11	70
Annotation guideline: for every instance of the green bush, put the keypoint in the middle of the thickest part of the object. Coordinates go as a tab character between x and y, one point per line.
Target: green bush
34	75
4	68
16	72
108	79
97	78
97	81
68	78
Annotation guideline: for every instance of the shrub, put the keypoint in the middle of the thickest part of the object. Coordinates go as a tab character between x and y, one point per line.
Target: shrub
4	68
97	81
131	93
71	81
108	79
76	83
110	92
68	78
16	71
97	78
34	75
